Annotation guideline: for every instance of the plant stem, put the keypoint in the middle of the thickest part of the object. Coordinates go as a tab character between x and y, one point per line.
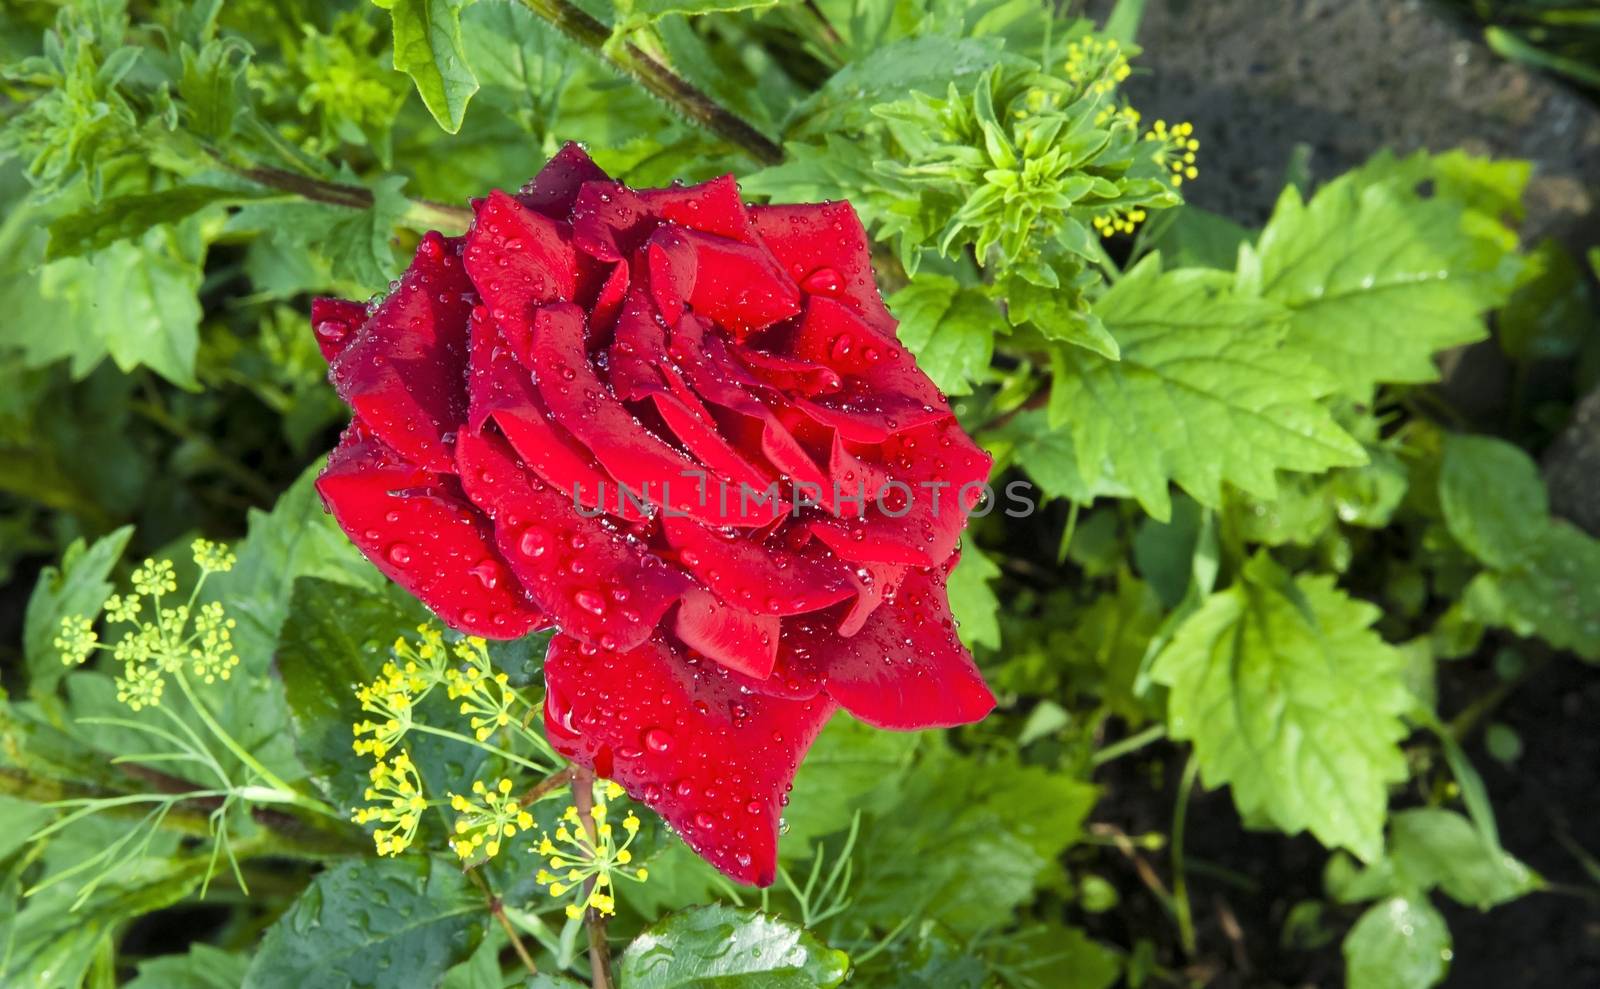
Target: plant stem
492	749
419	214
498	910
1180	881
552	782
657	78
1132	743
293	796
594	920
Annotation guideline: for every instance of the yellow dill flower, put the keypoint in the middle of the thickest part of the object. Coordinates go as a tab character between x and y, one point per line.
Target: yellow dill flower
1177	153
140	686
77	640
155	578
577	861
212	654
389	698
486	821
395	799
485	696
212	557
124	609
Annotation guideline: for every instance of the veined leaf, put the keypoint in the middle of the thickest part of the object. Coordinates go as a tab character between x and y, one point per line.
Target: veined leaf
652	10
1205	393
377	922
717	946
103	223
1493	498
1432	847
1377	279
951	329
972	602
427	47
1293	701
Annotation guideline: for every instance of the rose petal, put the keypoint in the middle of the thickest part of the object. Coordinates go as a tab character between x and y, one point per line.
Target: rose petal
554	190
672	267
739	286
906	668
335	321
873	583
788	373
610	221
420	532
824	247
713	207
501	388
638	460
883	390
937	476
404	371
731	637
770	577
518	259
598	584
716	763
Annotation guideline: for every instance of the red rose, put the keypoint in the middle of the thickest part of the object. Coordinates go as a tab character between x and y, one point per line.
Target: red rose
791	486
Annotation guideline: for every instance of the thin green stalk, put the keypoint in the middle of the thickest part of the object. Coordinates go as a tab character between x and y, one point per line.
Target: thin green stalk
469	740
292	796
1132	743
1180	879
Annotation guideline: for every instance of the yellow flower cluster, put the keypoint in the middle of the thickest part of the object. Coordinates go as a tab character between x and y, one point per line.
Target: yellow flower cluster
1096	64
484	821
155	648
395	799
1181	145
485	696
586	857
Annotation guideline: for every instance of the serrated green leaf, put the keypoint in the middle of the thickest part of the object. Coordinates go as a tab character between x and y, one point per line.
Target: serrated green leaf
1377	280
1493	498
1050	312
848	763
1400	943
950	329
1204	393
1191	237
336	636
972	602
721	947
381	923
1432	847
427	47
928	64
1294	702
358	241
77	587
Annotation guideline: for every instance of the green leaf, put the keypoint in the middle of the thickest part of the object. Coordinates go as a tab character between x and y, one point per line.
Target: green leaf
135	302
380	923
1493	498
972	602
1544	573
1191	237
1050	458
204	967
101	224
336	636
1434	847
1292	700
721	947
1377	279
427	47
950	329
358	241
78	587
1552	591
1399	943
1053	315
846	766
1204	393
930	64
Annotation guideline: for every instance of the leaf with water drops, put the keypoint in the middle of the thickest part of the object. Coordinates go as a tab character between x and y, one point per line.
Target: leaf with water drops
722	947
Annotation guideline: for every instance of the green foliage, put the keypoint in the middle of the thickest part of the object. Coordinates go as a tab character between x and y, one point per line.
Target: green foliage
386	923
1259	544
714	946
